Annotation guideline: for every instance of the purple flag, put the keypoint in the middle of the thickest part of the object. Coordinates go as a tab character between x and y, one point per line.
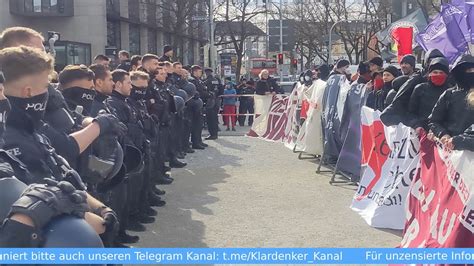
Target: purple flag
469	9
447	32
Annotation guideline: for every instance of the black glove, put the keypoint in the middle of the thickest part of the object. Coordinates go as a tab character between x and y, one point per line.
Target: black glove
109	123
111	221
43	202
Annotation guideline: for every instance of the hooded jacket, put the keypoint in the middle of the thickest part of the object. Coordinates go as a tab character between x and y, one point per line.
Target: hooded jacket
424	98
396	84
396	112
452	113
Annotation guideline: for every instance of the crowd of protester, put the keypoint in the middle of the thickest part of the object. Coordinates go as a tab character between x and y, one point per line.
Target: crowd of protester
435	99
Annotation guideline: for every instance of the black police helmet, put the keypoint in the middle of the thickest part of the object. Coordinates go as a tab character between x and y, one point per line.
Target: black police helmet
70	232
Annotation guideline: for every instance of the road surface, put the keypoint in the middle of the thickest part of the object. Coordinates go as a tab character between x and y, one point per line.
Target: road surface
245	192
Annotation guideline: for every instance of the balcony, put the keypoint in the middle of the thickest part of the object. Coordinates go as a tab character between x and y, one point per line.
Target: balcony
42	8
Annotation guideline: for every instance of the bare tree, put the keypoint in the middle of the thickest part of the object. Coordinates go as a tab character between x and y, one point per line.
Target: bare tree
431	7
358	24
177	18
235	25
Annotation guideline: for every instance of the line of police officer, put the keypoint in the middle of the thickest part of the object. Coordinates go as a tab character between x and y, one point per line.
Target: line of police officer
107	133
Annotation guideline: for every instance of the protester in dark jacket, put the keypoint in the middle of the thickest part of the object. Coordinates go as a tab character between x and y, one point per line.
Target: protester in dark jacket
324	72
425	95
363	73
408	65
452	118
266	84
389	74
396	84
396	112
341	68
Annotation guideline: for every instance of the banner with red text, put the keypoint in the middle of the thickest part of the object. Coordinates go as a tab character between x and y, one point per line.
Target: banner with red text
440	211
390	158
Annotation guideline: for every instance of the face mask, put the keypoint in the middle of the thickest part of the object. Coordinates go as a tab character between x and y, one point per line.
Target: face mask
137	93
33	107
378	84
80	96
439	79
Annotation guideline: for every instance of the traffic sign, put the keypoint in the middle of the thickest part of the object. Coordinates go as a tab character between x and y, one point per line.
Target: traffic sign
199	18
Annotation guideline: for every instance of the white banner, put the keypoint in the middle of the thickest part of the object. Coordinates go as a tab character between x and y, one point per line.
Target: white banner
390	159
310	137
262	112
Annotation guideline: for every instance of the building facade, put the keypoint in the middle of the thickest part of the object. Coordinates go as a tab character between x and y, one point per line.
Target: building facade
91	27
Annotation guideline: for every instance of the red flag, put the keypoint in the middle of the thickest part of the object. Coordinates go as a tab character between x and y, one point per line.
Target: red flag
403	38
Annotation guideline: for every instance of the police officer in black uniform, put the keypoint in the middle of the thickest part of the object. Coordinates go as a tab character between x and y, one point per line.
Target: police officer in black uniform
121	108
136	101
150	65
196	106
160	102
214	87
26	73
116	195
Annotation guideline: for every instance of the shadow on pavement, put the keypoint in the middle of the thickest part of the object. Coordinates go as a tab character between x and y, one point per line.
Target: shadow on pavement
231	145
187	198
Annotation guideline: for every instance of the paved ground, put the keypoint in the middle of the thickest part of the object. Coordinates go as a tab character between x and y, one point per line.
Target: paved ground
245	192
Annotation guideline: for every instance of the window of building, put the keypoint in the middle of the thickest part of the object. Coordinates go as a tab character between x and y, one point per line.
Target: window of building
43	7
134	39
113	7
134	10
113	34
190	52
152	45
71	53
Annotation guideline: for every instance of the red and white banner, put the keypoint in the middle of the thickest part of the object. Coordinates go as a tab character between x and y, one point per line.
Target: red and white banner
270	117
292	126
440	211
390	158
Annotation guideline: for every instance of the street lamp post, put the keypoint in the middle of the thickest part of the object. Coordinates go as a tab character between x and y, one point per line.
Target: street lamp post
281	39
330	40
212	48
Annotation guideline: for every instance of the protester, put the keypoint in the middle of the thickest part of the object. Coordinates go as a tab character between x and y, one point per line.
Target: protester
341	68
246	103
363	73
396	84
230	101
389	74
374	86
266	84
375	64
453	115
425	95
396	112
408	64
324	72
